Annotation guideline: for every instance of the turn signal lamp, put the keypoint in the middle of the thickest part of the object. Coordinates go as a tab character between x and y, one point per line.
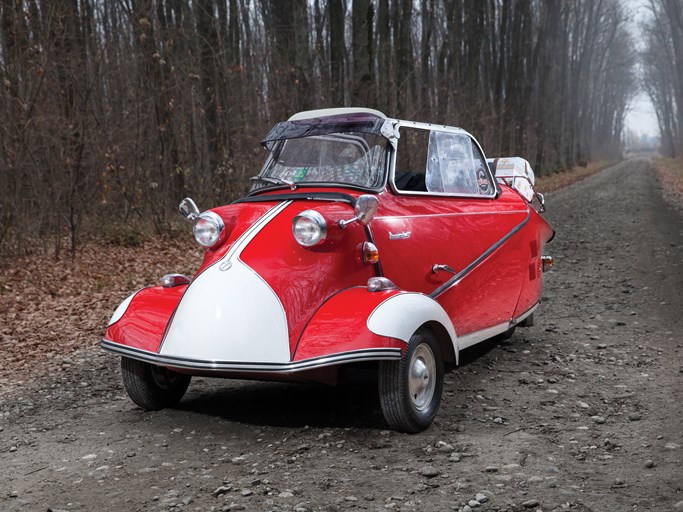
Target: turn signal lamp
369	253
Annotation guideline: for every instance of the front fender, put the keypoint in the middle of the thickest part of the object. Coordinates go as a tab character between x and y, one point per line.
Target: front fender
339	326
140	321
356	320
401	314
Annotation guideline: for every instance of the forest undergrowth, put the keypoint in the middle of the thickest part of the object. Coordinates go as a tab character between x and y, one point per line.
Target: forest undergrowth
670	174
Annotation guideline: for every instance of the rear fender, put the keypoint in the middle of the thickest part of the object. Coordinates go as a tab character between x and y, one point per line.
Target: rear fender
140	321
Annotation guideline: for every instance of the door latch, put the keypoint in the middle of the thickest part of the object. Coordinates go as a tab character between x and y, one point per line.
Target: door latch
438	268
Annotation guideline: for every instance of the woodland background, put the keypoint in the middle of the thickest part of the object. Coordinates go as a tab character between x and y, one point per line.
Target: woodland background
114	110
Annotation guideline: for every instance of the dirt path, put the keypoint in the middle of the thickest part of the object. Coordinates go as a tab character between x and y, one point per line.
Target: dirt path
581	412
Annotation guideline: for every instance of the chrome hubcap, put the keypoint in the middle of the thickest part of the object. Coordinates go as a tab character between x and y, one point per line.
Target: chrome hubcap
421	380
163	377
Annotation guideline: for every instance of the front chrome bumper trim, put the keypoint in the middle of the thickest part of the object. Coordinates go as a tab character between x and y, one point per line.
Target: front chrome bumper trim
372	354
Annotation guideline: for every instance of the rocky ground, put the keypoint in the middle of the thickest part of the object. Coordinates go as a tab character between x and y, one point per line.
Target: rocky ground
581	412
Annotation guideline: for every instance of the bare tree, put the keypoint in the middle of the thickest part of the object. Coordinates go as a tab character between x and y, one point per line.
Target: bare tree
113	111
662	64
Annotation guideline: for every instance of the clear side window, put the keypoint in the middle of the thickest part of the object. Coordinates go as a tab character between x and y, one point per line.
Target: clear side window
441	162
455	166
485	183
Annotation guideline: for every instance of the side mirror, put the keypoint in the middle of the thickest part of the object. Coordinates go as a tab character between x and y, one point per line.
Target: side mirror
188	209
365	210
541	200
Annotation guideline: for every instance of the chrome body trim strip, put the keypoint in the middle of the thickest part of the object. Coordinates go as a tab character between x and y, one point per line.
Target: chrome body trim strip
448	215
475	337
460	275
374	354
253	230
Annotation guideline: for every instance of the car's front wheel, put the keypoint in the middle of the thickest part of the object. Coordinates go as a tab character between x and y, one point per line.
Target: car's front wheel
410	389
152	387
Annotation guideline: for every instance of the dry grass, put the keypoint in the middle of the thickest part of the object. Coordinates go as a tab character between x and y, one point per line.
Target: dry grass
670	174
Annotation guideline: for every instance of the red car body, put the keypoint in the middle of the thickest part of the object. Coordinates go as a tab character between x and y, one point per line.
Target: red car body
399	276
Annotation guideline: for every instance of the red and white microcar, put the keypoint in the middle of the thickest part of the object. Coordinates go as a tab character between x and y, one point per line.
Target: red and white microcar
364	240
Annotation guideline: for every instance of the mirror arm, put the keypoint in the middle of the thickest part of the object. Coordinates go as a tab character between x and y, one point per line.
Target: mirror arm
343	223
365	209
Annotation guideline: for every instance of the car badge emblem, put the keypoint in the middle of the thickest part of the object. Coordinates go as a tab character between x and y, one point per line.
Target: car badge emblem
225	265
399	236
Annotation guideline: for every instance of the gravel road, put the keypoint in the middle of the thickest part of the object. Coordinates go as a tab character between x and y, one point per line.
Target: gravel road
581	412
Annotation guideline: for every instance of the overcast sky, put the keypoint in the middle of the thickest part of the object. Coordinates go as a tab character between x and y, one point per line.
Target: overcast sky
641	117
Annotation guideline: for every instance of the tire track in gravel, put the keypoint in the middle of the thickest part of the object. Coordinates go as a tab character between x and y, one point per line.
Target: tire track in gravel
581	412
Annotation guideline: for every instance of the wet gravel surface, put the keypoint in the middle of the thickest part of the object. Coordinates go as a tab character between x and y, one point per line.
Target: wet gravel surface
581	412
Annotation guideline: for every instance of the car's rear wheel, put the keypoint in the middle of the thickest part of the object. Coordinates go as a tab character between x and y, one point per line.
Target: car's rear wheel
410	389
505	335
527	322
152	387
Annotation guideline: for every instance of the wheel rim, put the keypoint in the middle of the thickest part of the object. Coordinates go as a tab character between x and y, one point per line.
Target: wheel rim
164	378
422	377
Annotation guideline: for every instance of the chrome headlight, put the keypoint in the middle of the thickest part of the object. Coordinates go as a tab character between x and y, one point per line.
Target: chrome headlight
309	228
207	229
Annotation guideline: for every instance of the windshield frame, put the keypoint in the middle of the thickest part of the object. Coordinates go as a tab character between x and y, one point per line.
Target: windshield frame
322	130
362	122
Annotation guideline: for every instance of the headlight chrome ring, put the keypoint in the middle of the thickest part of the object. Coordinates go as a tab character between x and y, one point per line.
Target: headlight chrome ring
207	229
309	228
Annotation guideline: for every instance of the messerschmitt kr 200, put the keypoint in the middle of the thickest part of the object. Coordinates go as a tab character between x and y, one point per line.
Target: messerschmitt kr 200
364	240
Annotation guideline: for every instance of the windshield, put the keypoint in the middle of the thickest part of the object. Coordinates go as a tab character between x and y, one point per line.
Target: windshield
349	158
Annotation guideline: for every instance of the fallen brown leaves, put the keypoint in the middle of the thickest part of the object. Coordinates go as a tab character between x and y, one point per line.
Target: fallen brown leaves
50	310
670	174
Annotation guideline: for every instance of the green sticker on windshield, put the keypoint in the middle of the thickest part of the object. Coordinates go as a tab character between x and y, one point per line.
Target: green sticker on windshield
300	174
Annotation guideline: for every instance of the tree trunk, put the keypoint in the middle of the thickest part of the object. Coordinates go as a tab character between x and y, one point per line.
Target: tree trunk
337	51
362	52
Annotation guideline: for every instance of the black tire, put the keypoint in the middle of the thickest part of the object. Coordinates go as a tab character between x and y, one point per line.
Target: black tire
410	405
528	321
152	387
504	335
